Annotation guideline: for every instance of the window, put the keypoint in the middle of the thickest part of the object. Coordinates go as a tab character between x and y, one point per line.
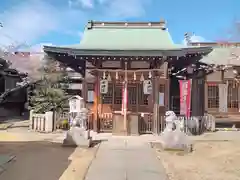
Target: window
213	96
143	98
132	94
118	94
90	86
90	92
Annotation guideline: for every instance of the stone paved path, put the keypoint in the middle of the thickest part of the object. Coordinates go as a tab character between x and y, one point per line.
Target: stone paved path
125	159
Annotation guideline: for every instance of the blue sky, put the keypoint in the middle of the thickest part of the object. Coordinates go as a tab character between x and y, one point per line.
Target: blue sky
61	22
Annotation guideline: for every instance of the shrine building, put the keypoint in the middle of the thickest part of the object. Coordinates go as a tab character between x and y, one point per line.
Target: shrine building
131	74
222	89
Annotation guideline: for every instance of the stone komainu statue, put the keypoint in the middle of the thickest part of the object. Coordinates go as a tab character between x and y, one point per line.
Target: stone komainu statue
170	118
173	137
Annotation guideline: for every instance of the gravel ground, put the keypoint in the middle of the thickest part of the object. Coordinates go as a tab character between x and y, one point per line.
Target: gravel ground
211	159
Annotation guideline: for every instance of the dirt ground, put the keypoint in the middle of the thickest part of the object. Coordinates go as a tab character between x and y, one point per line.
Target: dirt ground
210	159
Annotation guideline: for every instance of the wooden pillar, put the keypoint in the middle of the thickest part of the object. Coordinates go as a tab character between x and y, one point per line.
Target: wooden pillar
238	98
125	99
195	100
205	95
167	95
155	93
197	97
84	92
95	105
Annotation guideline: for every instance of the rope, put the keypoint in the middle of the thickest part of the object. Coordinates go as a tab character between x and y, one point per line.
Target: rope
121	70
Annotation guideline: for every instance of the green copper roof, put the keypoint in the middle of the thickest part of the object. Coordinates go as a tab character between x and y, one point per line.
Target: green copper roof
122	36
126	39
222	56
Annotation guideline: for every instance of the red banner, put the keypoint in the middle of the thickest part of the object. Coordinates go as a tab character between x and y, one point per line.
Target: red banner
185	97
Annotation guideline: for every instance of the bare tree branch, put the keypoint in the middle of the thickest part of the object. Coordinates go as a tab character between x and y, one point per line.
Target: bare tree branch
24	63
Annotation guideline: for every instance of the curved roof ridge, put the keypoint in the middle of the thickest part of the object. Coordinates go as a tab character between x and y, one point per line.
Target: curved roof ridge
125	24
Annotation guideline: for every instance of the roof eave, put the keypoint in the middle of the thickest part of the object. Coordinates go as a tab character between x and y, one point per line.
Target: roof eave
102	52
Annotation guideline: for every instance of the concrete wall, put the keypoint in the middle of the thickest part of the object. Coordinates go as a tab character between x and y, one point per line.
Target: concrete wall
6	113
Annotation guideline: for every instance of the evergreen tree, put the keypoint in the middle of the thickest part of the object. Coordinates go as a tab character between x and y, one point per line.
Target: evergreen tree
50	92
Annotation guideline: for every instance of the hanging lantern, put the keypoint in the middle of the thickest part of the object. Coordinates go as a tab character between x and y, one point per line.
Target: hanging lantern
147	86
134	76
104	75
150	75
103	86
109	77
117	76
142	78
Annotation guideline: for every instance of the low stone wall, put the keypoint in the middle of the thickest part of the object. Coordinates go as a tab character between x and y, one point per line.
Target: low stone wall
41	122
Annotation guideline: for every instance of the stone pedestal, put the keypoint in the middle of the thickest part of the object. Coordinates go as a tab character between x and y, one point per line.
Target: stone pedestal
175	141
77	137
133	124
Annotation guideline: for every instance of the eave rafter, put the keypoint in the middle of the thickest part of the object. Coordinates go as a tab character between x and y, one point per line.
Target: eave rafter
92	59
180	58
136	53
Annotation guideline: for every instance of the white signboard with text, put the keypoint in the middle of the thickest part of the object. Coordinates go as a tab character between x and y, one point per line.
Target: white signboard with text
75	103
103	86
